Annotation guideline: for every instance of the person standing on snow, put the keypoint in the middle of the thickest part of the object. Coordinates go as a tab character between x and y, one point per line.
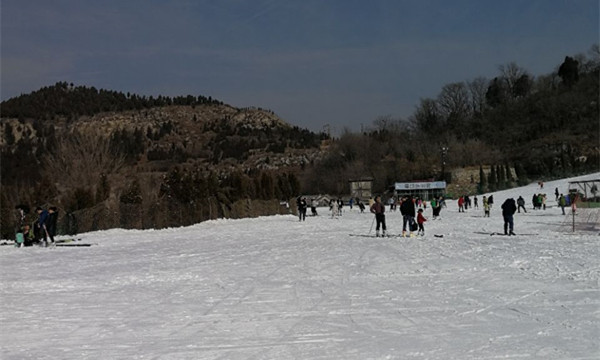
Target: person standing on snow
421	220
562	202
41	224
378	208
461	204
521	203
302	205
486	207
52	221
509	208
407	209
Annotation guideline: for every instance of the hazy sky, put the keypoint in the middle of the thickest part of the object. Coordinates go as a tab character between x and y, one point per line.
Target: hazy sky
313	62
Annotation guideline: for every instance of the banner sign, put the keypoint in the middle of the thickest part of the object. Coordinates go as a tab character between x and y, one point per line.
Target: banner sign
421	185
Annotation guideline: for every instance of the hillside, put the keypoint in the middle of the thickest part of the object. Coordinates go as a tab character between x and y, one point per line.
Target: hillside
83	156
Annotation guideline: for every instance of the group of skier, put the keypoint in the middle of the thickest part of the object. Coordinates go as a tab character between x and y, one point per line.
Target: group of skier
412	219
42	229
412	210
464	202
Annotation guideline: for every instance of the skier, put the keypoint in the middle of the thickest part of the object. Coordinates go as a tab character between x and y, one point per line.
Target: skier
476	202
335	208
521	203
562	202
340	204
486	207
491	201
556	194
41	224
436	206
461	203
313	207
378	208
361	206
508	210
302	205
407	209
420	220
534	201
51	223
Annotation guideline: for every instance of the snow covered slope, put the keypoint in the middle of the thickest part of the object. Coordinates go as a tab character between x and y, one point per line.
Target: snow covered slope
277	288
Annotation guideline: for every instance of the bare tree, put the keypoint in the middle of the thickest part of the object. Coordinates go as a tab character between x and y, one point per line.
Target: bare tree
455	107
80	160
513	76
477	89
427	116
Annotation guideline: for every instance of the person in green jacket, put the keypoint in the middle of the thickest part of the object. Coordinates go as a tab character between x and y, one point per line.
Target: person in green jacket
562	202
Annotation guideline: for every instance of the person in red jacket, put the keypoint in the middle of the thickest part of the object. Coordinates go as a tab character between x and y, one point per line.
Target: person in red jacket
420	220
461	204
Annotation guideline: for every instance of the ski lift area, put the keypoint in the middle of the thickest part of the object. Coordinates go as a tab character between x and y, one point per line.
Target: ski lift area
586	192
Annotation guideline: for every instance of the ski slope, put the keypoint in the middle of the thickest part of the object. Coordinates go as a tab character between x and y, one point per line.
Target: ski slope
276	288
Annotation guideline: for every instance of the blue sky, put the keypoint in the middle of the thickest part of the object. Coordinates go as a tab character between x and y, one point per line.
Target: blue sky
314	62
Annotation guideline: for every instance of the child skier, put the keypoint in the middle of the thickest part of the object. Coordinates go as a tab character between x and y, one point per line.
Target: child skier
420	220
486	207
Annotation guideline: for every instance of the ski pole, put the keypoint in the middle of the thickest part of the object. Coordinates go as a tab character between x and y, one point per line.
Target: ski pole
372	222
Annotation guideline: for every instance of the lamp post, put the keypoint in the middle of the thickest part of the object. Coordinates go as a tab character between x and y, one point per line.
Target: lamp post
444	150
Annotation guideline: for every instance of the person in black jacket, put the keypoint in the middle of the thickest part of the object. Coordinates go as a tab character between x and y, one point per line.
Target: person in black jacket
302	205
407	209
41	228
51	223
521	203
508	210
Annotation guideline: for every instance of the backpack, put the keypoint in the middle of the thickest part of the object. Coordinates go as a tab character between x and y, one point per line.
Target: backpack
413	225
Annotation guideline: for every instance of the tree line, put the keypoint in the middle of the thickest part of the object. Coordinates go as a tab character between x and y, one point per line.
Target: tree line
544	126
67	100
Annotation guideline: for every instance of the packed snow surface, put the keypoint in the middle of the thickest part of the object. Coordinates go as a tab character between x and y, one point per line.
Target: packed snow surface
277	288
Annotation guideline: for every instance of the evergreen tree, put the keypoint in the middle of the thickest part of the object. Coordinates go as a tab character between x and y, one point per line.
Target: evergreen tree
569	71
9	135
501	177
482	186
492	179
509	178
521	174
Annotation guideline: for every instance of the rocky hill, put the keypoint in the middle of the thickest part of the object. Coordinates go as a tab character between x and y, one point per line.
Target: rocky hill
143	153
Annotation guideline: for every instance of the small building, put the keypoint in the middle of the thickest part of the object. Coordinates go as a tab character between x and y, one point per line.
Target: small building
425	190
585	190
361	188
319	200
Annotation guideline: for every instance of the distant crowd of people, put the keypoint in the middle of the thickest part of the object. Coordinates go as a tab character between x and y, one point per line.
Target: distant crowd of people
412	209
39	231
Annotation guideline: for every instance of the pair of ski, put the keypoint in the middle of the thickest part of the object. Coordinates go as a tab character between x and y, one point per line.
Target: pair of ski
71	242
500	234
68	243
392	236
